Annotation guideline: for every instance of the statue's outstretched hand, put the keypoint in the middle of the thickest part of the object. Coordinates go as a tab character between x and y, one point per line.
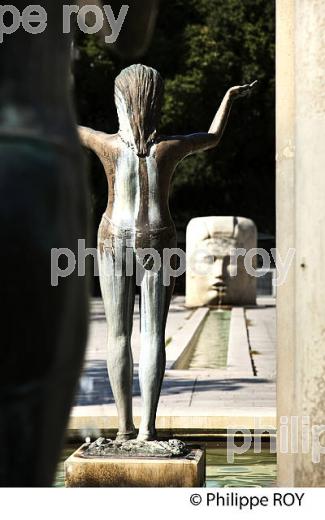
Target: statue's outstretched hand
241	91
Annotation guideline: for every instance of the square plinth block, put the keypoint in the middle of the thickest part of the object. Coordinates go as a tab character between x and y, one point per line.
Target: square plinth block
188	471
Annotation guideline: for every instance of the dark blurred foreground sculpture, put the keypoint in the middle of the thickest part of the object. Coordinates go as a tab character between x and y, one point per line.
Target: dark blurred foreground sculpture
43	206
139	164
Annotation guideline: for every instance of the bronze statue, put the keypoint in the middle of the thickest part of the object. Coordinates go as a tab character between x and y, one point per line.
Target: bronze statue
139	164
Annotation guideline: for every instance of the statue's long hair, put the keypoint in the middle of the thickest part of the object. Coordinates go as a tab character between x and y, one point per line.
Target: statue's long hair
138	97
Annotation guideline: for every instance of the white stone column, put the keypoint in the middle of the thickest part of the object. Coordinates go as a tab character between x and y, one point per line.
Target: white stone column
301	224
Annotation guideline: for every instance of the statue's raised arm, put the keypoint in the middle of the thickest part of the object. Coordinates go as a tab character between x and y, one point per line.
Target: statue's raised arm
201	141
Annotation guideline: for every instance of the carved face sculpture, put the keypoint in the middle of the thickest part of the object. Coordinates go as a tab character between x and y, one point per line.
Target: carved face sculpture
213	276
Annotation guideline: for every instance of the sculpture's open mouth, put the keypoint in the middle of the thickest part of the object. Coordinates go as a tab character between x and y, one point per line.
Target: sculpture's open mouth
219	286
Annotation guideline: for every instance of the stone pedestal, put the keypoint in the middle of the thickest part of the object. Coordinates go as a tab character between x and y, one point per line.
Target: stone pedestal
124	471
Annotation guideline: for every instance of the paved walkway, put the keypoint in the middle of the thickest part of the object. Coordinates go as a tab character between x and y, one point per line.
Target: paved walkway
204	400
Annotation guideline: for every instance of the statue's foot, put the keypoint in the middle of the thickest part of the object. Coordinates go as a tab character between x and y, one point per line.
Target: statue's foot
125	436
147	436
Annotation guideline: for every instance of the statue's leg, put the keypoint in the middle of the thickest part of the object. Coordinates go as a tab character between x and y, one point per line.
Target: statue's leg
118	291
155	300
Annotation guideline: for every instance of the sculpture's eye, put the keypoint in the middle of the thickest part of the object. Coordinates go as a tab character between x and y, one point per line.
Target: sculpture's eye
207	259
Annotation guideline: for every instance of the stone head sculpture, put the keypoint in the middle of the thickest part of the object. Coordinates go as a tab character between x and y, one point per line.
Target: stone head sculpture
214	274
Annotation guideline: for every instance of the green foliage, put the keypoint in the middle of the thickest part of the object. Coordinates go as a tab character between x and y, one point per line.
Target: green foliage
201	48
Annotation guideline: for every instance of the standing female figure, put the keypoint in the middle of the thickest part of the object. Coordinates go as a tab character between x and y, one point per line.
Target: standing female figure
139	165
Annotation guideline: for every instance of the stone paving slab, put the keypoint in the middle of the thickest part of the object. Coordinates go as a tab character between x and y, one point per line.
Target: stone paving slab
262	338
239	349
101	419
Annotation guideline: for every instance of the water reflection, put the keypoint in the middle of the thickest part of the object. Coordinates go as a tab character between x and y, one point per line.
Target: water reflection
212	344
248	470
